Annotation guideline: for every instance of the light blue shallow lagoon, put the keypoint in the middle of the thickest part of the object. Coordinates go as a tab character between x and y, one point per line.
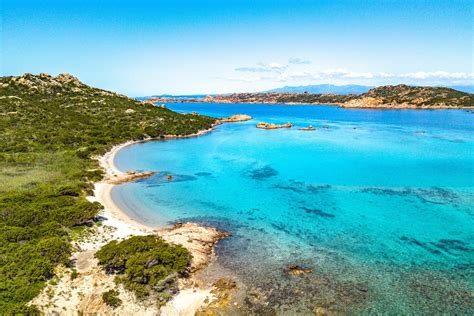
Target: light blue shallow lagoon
378	203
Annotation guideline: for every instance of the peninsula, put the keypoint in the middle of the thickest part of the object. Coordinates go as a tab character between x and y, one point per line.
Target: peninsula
55	180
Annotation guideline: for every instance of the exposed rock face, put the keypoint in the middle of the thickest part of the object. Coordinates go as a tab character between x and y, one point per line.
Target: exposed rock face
129	111
236	118
63	83
264	125
223	291
199	241
66	78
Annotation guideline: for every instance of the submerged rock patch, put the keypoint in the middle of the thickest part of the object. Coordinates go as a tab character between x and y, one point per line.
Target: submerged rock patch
317	212
168	177
261	173
203	174
433	195
446	246
302	187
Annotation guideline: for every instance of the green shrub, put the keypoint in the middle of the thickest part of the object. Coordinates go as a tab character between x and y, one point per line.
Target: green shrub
144	263
74	274
111	298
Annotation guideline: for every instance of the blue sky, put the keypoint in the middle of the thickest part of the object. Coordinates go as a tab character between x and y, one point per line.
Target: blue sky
151	47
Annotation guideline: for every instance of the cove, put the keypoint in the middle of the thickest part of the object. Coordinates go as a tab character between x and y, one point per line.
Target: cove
379	204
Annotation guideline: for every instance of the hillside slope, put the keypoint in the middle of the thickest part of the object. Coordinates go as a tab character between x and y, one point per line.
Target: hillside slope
403	96
49	128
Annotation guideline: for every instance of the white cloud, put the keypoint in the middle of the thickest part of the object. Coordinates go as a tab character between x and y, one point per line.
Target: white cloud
334	72
293	72
437	74
365	75
263	67
294	75
245	79
253	69
274	65
299	61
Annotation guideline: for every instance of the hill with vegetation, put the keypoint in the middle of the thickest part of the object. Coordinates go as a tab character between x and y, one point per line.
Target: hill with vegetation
399	96
50	128
403	96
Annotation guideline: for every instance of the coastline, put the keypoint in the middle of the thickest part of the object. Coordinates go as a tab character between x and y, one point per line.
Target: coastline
341	105
113	176
69	295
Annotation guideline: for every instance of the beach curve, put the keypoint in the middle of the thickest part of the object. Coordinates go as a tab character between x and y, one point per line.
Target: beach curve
73	295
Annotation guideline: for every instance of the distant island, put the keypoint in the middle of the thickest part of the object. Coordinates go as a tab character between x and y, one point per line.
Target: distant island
384	97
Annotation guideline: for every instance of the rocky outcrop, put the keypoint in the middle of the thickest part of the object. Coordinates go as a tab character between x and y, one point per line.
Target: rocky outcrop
307	129
50	85
297	270
264	125
236	118
197	239
128	177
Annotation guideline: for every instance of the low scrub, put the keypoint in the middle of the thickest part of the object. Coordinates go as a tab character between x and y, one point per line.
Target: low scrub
145	264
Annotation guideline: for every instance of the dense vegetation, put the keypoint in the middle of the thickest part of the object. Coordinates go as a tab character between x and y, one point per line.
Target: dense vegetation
421	96
49	128
111	298
145	264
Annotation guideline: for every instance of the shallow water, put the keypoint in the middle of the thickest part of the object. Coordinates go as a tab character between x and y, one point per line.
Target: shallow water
379	204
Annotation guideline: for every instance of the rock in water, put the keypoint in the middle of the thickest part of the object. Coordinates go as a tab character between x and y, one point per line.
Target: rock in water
265	125
297	270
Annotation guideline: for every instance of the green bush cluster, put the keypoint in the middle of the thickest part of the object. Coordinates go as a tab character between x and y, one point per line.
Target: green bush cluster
111	298
144	264
49	130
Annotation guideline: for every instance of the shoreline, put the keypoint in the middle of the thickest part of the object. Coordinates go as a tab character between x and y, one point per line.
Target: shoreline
340	105
113	177
68	295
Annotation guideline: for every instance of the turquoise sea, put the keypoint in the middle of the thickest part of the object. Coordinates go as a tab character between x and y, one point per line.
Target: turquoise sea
378	203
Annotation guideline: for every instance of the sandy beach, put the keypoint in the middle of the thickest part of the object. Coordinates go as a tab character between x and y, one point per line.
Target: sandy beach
68	295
